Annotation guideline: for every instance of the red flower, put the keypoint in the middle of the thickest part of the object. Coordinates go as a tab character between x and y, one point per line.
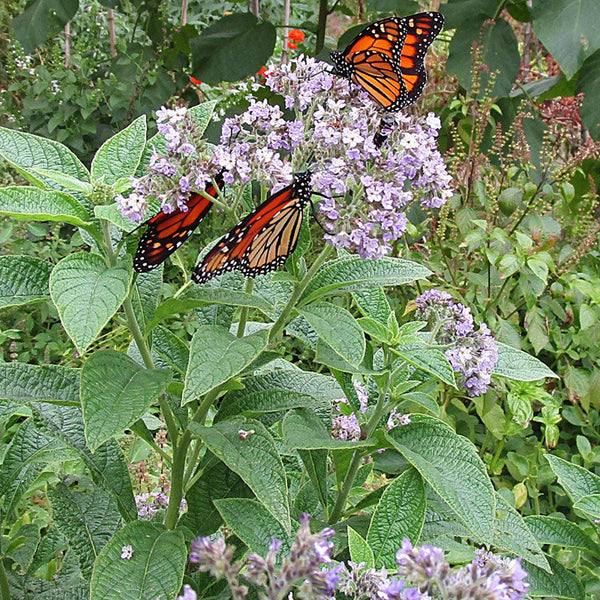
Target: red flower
196	81
296	35
262	71
292	45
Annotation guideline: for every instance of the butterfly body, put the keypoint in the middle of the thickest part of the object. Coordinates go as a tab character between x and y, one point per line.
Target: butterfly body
166	232
264	239
386	58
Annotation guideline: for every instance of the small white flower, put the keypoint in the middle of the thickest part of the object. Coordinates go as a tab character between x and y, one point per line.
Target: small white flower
127	552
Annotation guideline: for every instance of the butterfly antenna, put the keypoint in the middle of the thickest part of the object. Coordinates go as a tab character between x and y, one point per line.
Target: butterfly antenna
314	214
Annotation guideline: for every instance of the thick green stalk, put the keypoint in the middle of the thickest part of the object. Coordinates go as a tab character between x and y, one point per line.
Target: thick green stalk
321	25
4	587
298	291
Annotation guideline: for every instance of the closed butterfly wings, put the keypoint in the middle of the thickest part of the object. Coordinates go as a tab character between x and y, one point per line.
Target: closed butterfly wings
386	58
264	239
167	231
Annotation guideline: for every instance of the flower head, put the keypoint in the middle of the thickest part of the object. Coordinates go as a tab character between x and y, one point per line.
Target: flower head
127	552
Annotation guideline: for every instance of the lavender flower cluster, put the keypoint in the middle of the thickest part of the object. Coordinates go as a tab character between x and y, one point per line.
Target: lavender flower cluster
474	353
149	503
423	572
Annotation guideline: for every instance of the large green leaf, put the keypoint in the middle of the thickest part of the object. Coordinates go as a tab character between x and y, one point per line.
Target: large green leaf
170	349
107	465
562	533
431	360
449	463
23	279
400	514
558	584
373	303
42	19
590	505
120	155
360	552
588	82
252	523
234	47
216	356
569	30
115	392
577	481
464	15
87	519
26	152
255	459
87	294
518	365
315	463
154	571
22	382
338	329
353	273
34	204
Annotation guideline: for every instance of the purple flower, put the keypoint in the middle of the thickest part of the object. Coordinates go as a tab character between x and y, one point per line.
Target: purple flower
188	593
362	395
133	207
127	552
346	427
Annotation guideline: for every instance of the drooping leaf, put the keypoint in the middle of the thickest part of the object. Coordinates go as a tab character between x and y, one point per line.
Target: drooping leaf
518	365
23	280
558	584
115	392
360	550
154	571
562	533
87	294
577	481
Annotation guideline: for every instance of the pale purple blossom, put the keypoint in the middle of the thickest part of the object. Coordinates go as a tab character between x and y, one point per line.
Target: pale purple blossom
127	552
346	428
362	394
188	593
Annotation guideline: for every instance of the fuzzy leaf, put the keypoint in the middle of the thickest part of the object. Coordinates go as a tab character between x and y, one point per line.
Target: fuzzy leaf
23	280
518	365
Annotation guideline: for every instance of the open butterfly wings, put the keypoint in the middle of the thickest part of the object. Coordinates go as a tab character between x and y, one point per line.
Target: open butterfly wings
167	231
264	239
386	58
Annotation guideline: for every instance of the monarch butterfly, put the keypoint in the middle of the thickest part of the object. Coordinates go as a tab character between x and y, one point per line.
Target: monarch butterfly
167	231
264	239
386	58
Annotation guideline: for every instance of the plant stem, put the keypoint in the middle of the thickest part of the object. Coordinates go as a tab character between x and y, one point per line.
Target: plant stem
244	311
321	26
358	455
298	291
4	588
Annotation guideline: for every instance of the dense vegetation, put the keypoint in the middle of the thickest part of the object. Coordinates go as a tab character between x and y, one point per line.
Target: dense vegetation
434	378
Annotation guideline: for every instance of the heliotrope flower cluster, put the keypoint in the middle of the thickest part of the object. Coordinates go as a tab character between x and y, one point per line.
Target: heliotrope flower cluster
149	503
187	165
302	569
474	353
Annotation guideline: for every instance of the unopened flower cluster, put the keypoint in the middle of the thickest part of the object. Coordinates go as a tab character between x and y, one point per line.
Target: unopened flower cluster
474	353
186	166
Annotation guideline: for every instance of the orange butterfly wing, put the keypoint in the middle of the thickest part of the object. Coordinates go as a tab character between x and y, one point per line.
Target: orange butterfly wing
167	231
264	239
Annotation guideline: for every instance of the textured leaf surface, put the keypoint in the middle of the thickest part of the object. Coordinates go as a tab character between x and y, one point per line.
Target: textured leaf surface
252	523
359	549
172	350
518	365
353	274
216	356
315	462
560	532
432	360
558	584
255	459
87	294
588	82
373	303
107	465
34	204
120	155
338	329
23	382
23	279
590	505
115	392
577	481
451	465
399	514
87	520
154	572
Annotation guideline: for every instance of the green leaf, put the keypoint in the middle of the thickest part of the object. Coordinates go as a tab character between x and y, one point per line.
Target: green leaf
252	523
357	274
115	392
23	280
171	349
563	533
22	382
518	365
120	155
338	329
87	519
215	483
65	181
558	584
460	14
154	572
568	29
431	360
107	465
255	459
576	481
400	513
87	294
360	552
315	463
375	329
588	83
206	297
303	429
146	292
40	20
33	204
589	505
373	303
111	213
232	48
452	467
513	535
216	356
27	152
